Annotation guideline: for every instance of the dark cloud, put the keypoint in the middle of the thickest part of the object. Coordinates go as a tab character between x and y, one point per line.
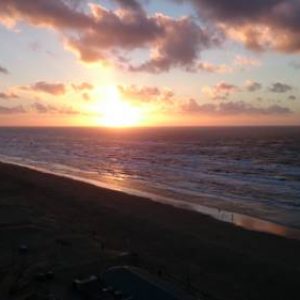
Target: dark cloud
232	108
292	97
241	107
277	110
8	95
253	86
260	25
102	35
51	109
130	4
42	108
3	70
279	87
19	109
193	107
179	46
220	91
55	89
61	110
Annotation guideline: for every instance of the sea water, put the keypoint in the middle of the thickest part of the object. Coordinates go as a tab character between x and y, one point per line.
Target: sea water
253	171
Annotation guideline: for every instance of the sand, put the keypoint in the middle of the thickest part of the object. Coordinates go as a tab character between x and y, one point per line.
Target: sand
75	229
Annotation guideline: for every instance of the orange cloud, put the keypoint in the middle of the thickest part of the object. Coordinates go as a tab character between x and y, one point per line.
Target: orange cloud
8	95
82	86
146	94
55	89
211	68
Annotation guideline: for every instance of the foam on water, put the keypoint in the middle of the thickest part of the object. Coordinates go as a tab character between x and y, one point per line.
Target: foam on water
237	219
247	171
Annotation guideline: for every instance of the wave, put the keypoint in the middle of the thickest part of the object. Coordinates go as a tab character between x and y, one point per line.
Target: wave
241	220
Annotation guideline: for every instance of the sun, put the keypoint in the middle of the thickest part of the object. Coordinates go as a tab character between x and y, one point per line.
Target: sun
116	112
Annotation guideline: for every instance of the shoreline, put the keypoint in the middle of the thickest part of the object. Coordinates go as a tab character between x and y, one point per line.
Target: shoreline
66	223
237	219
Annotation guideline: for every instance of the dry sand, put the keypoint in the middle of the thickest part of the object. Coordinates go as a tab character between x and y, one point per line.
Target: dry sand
75	229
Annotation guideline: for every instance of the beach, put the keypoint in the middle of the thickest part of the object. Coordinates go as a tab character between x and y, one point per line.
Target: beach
75	228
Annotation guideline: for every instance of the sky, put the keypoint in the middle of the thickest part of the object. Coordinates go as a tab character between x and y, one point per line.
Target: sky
149	63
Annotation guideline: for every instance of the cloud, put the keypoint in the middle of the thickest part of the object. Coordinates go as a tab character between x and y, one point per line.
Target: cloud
292	97
231	108
238	63
43	13
295	65
220	91
3	70
211	68
42	108
55	89
8	95
38	108
130	4
102	35
241	107
51	109
245	61
279	87
35	46
82	86
86	97
178	46
259	25
166	98
145	94
19	109
193	107
253	86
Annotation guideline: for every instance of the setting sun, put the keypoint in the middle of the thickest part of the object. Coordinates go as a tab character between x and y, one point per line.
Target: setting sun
116	112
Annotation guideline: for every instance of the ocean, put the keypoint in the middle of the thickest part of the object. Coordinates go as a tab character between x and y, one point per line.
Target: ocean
254	171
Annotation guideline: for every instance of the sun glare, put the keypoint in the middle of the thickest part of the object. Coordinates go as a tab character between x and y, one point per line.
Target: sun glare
116	112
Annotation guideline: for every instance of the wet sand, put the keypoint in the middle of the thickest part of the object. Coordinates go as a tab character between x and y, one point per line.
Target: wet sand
76	228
